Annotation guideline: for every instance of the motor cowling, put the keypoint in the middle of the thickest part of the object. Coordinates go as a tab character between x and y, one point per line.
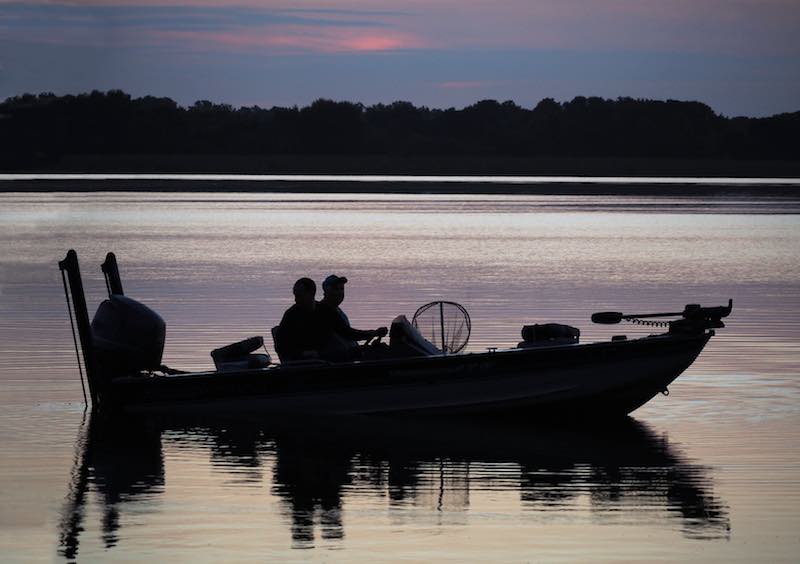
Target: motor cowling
128	337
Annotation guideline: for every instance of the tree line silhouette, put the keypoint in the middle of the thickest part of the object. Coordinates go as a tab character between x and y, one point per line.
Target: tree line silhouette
38	130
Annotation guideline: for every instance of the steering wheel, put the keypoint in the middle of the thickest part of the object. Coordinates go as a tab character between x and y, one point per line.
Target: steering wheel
381	333
373	340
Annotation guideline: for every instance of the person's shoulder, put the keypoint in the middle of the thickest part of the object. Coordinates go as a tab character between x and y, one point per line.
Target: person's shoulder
324	309
325	313
289	313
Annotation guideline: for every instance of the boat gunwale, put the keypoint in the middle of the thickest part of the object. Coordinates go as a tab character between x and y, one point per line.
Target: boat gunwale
401	363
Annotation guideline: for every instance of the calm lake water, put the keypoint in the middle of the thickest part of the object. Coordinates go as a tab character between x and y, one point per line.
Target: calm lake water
709	473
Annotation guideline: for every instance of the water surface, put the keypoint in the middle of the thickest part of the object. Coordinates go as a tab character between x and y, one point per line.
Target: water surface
709	472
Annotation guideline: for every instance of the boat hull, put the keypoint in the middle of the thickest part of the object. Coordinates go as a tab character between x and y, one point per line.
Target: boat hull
608	379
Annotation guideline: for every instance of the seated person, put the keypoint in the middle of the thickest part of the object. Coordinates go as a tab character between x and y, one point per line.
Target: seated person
299	328
335	326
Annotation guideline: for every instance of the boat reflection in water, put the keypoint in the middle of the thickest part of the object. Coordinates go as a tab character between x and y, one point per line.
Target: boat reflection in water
118	463
621	467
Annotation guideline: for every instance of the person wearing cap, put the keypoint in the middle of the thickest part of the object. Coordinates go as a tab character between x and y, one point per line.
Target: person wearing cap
299	330
335	322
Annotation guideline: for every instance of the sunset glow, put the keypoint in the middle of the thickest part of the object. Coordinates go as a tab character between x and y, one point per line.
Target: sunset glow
739	57
291	39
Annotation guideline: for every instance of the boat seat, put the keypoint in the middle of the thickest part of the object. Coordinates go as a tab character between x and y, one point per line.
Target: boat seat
406	341
239	356
277	342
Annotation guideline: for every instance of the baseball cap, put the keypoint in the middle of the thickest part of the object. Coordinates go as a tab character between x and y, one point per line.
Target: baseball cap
333	279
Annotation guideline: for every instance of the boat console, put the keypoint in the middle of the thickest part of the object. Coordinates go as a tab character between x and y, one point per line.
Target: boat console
405	340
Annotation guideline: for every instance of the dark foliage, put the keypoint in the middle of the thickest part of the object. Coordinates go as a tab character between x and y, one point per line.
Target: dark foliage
37	130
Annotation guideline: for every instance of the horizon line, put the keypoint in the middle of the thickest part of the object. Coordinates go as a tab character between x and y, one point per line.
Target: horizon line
424	179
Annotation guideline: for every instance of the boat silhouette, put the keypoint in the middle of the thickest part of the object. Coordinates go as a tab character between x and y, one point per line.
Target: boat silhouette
543	377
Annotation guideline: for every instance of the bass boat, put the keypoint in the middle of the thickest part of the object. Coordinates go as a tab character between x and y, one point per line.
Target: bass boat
549	374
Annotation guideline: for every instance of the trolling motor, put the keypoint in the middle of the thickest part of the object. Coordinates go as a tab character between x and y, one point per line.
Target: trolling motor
694	318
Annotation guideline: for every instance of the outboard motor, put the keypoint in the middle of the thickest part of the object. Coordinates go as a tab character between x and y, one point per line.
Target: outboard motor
128	337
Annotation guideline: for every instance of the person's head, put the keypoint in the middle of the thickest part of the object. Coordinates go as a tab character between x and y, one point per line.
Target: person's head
333	289
304	291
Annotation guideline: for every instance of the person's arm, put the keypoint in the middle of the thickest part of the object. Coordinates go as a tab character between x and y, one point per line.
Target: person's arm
362	335
343	329
340	327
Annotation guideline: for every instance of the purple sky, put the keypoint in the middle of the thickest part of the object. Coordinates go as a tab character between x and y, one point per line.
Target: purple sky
739	56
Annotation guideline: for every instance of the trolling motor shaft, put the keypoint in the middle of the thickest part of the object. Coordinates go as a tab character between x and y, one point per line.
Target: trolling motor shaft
694	316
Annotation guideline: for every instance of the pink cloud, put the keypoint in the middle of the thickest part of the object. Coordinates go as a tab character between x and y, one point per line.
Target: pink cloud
293	39
702	26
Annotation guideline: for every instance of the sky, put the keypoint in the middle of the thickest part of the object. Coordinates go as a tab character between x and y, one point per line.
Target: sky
741	57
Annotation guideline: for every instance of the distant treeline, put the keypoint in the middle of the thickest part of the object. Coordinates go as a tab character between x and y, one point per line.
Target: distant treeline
38	130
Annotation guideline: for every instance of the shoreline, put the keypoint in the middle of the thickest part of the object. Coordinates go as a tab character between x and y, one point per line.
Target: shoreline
402	184
475	165
781	188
